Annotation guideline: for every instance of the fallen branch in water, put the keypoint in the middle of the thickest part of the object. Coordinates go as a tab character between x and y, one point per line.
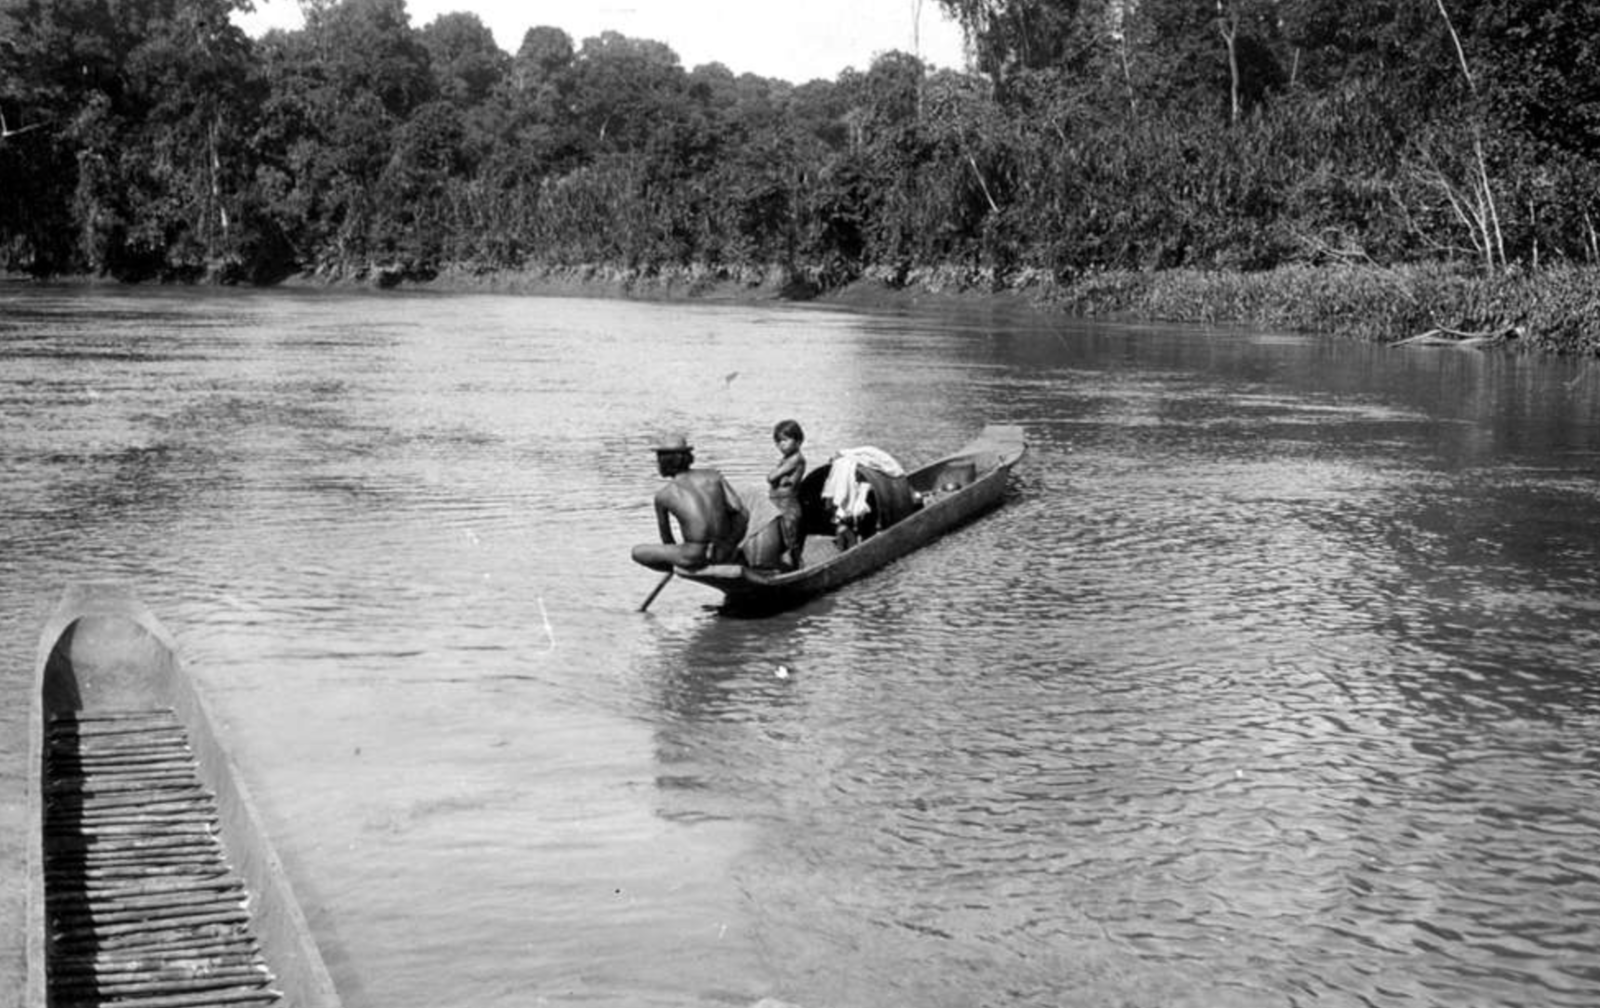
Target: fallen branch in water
1461	340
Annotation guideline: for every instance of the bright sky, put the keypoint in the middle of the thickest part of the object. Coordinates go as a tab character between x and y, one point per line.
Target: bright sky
793	40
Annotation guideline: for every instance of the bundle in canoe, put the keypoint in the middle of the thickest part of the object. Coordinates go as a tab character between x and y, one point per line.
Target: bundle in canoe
932	500
151	883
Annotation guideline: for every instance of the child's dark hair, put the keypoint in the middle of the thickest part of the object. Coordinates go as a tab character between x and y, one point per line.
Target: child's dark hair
788	429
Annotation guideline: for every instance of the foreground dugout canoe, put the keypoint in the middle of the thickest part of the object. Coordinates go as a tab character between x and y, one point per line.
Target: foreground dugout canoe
151	882
954	490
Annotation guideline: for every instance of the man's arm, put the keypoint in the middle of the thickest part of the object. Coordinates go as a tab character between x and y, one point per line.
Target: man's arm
664	521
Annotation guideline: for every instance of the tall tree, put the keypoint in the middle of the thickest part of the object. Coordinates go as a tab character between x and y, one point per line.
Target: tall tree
369	48
525	129
1073	38
467	64
546	52
1216	54
624	89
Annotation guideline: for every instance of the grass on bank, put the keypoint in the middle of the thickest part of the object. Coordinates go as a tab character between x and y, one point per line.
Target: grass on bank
1552	310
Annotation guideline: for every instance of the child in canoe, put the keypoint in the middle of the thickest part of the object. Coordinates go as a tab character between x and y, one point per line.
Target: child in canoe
783	487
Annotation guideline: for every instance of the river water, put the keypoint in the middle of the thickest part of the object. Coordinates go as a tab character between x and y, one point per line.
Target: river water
1273	683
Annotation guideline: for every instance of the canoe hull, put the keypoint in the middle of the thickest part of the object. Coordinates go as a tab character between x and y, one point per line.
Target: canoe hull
983	466
102	651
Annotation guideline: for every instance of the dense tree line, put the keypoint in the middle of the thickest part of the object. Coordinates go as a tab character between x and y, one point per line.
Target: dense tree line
151	139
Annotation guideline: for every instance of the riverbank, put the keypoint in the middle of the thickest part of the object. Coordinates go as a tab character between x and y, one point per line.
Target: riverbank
1554	310
876	290
1549	311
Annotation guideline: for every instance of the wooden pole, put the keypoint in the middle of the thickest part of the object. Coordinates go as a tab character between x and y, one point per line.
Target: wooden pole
656	591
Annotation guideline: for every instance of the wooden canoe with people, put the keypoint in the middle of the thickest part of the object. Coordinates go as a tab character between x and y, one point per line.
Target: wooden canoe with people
905	512
151	882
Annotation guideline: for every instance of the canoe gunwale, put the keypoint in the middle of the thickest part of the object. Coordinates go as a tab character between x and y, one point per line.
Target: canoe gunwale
35	981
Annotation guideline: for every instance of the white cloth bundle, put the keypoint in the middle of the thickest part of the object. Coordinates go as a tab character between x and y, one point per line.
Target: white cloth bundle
849	496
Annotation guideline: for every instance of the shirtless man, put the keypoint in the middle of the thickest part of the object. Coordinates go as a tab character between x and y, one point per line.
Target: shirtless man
711	517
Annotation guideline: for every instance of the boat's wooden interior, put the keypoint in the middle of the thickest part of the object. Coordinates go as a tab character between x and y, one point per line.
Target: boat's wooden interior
158	887
140	900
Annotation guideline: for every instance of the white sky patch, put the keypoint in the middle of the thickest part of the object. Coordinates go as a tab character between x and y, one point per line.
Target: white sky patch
791	41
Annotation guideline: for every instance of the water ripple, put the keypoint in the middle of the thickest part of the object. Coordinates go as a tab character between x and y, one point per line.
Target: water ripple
1270	684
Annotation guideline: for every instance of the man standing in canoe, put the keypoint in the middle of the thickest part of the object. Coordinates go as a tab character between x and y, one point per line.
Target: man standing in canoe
711	517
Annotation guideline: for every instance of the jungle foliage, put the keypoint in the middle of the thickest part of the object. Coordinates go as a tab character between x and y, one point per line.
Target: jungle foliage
151	139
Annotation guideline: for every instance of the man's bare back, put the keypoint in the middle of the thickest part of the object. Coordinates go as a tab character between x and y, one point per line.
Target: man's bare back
711	518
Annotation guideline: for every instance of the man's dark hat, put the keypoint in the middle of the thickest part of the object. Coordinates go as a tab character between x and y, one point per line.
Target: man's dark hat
673	443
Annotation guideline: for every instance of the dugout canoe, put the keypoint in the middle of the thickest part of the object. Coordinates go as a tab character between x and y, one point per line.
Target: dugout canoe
151	881
952	491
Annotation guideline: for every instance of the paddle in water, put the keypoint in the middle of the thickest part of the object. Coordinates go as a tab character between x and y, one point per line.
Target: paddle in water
655	591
